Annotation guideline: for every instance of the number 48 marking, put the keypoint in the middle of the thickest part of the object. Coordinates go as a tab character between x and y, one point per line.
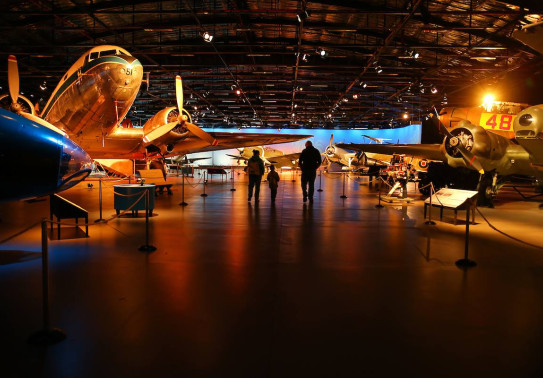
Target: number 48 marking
505	121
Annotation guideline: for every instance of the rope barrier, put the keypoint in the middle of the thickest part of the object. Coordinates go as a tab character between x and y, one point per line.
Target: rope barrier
19	233
506	234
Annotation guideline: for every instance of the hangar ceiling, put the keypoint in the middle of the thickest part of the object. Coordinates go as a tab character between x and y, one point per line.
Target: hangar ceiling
382	58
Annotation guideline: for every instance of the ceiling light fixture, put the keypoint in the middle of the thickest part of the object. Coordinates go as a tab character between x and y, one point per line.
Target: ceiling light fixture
302	15
322	52
434	90
207	37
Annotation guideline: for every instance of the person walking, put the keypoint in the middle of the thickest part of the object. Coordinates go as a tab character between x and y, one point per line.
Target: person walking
255	169
273	182
310	159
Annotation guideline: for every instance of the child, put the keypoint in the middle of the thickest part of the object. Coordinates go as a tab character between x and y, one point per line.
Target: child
273	181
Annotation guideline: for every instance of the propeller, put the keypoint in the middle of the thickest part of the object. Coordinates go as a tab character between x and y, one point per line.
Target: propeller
468	156
190	126
13	83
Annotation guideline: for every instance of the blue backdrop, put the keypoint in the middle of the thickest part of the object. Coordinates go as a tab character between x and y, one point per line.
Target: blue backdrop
321	138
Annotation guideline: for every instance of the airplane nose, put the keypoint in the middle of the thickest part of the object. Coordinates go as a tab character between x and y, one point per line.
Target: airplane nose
75	165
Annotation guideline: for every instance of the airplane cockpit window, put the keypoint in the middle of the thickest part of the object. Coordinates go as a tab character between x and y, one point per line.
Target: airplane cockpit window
108	52
93	55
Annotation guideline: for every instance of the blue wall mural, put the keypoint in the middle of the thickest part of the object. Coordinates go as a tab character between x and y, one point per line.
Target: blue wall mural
321	138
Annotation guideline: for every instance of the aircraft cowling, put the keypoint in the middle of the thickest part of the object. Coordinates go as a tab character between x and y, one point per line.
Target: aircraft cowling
165	116
528	127
36	160
485	145
450	117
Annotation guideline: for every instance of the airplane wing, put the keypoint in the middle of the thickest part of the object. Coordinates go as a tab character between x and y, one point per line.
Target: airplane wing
287	160
424	151
232	140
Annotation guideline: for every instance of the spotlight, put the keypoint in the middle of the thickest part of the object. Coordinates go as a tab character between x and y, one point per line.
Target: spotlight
364	85
416	55
43	86
345	99
434	90
302	15
322	52
238	91
405	116
355	96
378	69
305	57
207	37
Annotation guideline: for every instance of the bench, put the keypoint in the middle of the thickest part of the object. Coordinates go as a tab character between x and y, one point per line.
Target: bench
155	177
64	209
217	171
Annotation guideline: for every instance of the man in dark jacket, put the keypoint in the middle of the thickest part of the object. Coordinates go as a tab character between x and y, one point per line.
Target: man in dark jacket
310	159
255	169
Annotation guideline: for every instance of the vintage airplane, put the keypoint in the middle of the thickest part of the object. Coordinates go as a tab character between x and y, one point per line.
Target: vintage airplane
47	161
94	96
495	157
352	160
270	156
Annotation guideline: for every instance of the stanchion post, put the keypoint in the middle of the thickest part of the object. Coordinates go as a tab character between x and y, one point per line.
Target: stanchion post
466	262
183	203
320	181
430	221
292	172
100	201
204	194
147	247
379	203
47	335
232	189
343	195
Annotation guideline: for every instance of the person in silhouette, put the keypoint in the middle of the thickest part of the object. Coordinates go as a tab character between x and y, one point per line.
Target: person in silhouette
273	182
255	169
309	161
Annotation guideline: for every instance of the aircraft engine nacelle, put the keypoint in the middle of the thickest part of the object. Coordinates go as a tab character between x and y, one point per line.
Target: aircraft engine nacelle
161	118
483	144
23	104
528	126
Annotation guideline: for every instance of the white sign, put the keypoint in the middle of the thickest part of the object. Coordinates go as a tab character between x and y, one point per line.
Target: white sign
452	198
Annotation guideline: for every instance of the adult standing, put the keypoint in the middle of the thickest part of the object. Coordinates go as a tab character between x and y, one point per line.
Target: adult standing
310	159
255	169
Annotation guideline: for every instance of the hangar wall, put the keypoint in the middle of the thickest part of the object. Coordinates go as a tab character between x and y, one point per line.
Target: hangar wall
321	138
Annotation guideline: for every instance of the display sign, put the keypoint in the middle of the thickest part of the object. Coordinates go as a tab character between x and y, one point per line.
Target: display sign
451	198
493	121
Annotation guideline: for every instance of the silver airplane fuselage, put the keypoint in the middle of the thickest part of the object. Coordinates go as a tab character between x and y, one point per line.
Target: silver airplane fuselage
92	99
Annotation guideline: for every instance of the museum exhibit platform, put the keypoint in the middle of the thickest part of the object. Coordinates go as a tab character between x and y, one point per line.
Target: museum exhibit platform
331	288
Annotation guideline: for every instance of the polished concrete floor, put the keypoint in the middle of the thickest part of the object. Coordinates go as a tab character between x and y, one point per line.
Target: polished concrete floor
334	288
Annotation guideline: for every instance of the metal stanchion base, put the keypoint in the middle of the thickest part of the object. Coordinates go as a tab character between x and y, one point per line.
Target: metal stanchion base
147	248
203	195
99	220
233	189
47	337
343	196
183	204
379	206
465	263
319	190
430	222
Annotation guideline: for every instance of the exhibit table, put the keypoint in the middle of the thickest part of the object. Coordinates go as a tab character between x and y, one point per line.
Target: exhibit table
126	197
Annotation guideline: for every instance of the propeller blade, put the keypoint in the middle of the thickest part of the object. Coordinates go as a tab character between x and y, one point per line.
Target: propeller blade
179	92
13	78
201	133
158	132
331	139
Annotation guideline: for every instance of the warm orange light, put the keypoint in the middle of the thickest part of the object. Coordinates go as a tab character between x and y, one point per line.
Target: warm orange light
405	116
